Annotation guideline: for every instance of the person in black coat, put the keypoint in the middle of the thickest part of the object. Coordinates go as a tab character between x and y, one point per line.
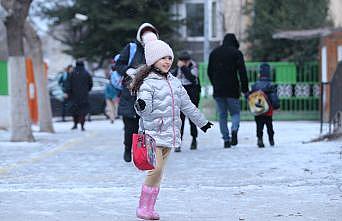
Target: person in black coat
187	73
227	73
78	85
146	32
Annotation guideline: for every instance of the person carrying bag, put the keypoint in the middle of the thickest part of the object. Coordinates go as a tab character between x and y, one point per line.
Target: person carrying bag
160	98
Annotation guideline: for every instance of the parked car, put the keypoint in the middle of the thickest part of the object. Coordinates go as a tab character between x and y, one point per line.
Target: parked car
96	96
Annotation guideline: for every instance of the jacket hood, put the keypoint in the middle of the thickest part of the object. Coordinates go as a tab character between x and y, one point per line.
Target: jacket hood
231	41
265	72
143	28
265	79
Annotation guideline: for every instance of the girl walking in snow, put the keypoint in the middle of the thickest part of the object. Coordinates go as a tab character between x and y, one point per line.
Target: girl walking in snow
160	98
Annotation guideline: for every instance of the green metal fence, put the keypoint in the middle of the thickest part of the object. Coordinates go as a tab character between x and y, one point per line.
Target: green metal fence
3	78
298	90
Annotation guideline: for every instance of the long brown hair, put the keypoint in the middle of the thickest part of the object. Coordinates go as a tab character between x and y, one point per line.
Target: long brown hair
139	78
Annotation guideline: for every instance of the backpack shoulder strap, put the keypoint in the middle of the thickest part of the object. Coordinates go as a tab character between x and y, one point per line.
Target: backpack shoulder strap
132	50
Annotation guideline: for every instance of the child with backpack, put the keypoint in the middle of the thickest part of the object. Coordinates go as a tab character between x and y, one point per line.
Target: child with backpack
264	84
112	96
160	98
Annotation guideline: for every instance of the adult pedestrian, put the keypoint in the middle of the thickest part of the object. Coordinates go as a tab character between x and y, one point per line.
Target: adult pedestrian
78	86
227	73
187	73
62	82
112	97
146	32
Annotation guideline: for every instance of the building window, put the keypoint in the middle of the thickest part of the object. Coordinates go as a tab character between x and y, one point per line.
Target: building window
194	19
339	53
213	20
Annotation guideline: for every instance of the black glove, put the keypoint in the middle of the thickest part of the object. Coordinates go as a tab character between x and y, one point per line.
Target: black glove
207	126
140	105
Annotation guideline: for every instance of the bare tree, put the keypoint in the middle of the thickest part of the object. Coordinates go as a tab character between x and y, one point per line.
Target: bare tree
20	120
35	52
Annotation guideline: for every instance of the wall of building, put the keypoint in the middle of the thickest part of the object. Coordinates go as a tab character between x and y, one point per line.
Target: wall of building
235	21
335	12
332	56
194	44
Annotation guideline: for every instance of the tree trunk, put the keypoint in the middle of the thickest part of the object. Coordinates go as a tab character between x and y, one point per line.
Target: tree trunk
20	120
20	123
3	42
35	52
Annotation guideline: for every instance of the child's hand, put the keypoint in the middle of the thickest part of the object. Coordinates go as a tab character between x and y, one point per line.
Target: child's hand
207	126
140	105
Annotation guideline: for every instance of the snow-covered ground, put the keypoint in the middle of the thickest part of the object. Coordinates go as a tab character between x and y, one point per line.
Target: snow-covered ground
74	175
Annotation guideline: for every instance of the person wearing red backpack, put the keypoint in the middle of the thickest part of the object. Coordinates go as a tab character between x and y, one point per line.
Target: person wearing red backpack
160	99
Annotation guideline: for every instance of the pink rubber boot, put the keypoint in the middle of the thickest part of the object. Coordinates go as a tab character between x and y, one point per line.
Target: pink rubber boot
142	211
147	201
152	203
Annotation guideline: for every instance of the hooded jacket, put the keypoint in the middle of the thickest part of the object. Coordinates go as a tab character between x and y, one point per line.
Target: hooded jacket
77	87
265	84
165	97
188	76
227	70
126	103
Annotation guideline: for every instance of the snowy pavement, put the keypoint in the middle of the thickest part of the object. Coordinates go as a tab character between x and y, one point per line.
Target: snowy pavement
74	175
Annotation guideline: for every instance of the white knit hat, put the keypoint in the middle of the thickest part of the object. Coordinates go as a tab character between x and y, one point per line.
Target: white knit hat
148	36
155	50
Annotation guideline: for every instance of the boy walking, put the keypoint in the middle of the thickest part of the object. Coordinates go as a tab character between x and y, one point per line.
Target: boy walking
187	73
265	85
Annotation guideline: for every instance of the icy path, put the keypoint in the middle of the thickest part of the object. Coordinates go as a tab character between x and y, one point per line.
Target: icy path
75	176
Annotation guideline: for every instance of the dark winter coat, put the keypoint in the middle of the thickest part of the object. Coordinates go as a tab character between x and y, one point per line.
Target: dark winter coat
139	58
126	104
188	75
77	87
227	70
265	85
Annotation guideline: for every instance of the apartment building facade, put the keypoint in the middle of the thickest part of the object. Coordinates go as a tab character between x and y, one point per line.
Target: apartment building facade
224	16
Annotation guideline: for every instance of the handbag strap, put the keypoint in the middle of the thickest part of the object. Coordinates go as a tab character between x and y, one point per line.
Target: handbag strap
141	123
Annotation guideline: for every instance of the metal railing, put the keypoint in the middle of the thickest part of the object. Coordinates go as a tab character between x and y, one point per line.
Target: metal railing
335	116
298	89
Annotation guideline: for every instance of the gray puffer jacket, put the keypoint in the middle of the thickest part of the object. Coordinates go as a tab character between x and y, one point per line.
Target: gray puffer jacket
165	98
